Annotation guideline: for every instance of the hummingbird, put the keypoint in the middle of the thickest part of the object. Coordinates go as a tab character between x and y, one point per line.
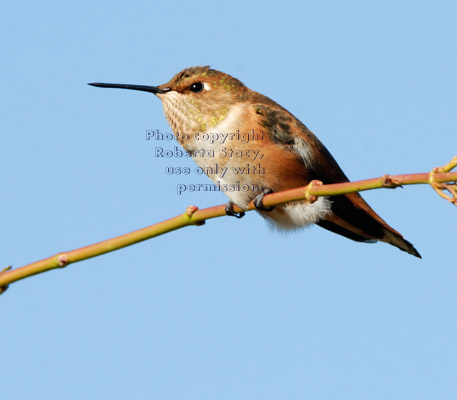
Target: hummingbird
202	103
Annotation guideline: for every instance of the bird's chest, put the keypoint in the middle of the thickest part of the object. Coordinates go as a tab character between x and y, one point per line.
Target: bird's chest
227	156
230	154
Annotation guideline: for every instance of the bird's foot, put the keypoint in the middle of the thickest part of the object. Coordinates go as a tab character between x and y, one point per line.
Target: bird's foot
258	201
229	211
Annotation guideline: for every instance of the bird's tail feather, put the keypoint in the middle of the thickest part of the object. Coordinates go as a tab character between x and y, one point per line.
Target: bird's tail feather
353	218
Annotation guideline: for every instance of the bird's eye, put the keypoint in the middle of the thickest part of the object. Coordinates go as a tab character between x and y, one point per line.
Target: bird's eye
196	87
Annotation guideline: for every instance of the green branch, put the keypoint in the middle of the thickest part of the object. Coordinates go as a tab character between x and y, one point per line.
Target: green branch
441	179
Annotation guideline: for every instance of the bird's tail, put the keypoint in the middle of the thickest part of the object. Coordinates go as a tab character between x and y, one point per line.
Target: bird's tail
353	218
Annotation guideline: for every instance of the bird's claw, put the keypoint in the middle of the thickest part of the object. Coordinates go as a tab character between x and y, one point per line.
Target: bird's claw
258	201
230	212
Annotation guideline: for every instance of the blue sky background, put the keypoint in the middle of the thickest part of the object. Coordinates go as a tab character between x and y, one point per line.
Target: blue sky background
230	310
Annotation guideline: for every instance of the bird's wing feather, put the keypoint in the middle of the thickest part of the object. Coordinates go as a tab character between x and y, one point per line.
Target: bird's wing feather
351	216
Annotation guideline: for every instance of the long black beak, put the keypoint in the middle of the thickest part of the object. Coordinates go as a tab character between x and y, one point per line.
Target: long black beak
150	89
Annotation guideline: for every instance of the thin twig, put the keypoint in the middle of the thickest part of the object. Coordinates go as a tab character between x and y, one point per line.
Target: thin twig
439	178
